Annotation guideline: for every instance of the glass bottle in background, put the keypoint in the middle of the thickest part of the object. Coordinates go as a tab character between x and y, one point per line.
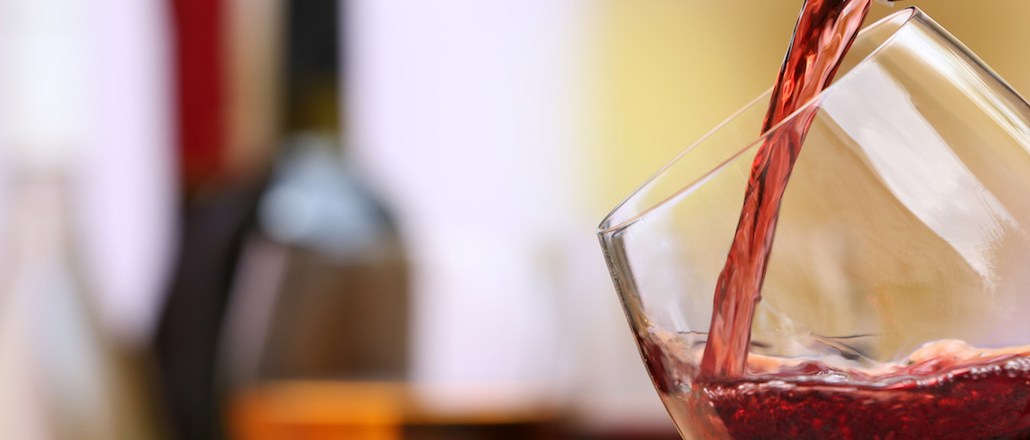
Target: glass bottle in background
63	377
342	311
225	105
320	300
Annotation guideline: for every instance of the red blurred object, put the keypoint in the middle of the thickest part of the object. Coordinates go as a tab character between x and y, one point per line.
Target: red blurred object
200	88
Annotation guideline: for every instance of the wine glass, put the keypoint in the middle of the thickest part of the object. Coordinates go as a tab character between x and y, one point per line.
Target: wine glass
895	301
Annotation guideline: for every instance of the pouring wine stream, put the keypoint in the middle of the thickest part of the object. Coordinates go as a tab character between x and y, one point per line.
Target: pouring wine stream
824	32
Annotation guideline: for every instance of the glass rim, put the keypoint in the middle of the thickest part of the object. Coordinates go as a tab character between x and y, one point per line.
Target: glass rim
901	19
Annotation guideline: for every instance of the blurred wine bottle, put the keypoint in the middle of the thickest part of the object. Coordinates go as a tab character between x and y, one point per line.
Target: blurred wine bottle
217	206
321	291
63	377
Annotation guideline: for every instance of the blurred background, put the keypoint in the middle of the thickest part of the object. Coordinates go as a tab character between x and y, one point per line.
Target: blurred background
353	219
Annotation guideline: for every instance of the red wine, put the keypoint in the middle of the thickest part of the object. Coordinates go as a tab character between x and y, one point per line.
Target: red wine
985	400
946	389
824	32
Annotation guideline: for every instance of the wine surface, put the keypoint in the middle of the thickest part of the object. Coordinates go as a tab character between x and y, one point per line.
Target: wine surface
981	401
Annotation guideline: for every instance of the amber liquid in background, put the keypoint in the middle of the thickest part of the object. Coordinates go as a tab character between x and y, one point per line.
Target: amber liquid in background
316	410
943	395
326	409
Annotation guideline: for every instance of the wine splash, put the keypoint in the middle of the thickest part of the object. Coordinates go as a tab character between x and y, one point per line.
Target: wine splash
823	34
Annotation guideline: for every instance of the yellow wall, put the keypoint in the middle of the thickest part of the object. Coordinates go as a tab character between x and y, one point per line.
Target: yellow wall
669	70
